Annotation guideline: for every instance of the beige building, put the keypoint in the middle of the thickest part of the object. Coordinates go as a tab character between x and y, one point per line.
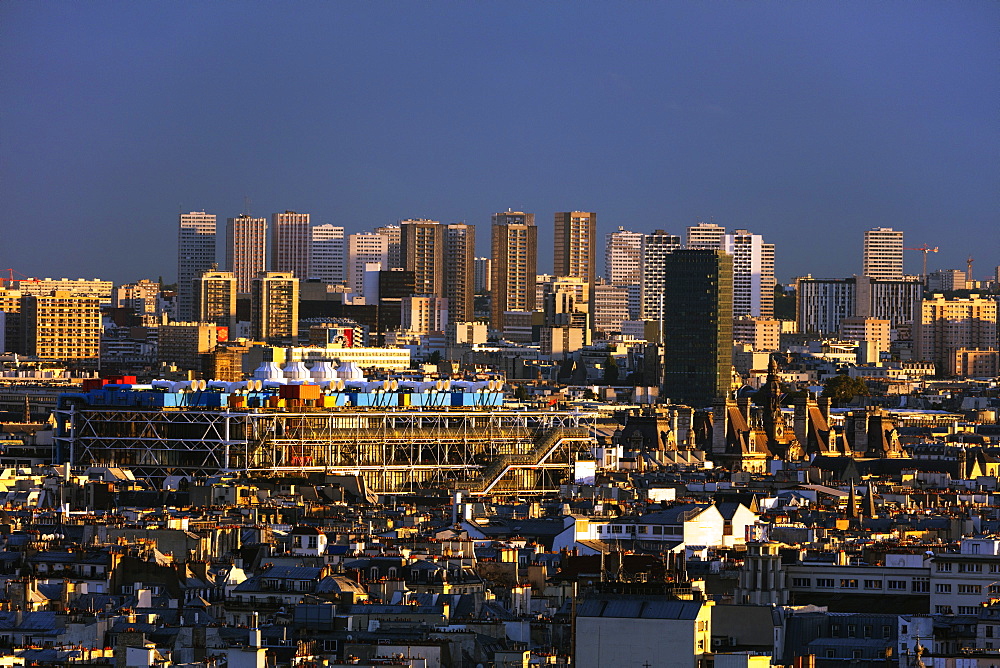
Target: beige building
422	250
423	315
274	306
362	251
183	343
393	239
246	249
459	270
947	326
610	307
515	260
290	243
142	296
61	325
215	298
705	235
874	330
10	306
195	253
576	245
761	334
883	254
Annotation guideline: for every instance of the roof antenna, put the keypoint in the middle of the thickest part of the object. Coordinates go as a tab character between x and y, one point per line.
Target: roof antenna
246	205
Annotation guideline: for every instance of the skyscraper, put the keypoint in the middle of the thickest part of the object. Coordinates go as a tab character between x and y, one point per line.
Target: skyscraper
459	266
514	264
482	278
327	254
274	307
290	243
576	245
195	254
393	236
705	235
422	251
883	254
698	335
623	257
362	250
61	325
215	298
656	247
246	249
753	274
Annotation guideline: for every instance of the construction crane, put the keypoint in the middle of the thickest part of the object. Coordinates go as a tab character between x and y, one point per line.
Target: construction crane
925	249
26	279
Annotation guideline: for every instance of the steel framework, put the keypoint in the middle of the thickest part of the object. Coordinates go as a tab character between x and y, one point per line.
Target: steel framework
480	451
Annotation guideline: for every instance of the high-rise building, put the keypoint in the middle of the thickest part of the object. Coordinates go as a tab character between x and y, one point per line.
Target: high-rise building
482	280
883	254
290	243
143	296
215	298
514	263
459	267
327	254
753	274
623	257
610	307
698	335
61	326
393	236
424	314
576	245
274	307
246	249
10	313
947	327
822	303
422	251
362	250
183	343
195	254
656	248
705	235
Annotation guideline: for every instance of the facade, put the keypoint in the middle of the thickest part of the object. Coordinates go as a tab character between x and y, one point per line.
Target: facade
274	306
61	326
10	332
623	257
327	254
705	235
246	249
482	278
883	254
753	274
424	315
291	242
422	252
874	330
393	237
195	253
183	343
761	334
656	247
80	287
947	280
611	307
362	250
947	326
143	296
514	264
215	298
459	269
822	303
698	326
576	245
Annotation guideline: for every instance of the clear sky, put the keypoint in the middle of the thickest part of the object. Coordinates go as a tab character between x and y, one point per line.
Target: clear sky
806	122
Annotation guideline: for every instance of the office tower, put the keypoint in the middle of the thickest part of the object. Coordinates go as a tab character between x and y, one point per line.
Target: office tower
623	257
698	335
753	273
514	240
274	307
610	307
246	249
656	248
482	280
421	250
948	327
195	254
883	254
61	326
364	249
327	254
215	298
576	245
459	266
393	236
705	235
183	343
290	243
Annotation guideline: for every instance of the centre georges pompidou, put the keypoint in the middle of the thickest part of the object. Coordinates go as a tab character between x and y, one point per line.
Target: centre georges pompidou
398	439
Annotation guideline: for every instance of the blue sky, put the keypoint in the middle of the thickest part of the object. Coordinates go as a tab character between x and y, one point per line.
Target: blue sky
805	122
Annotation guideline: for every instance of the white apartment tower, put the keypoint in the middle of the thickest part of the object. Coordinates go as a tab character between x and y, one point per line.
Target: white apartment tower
705	235
195	254
883	254
290	243
655	249
623	257
362	250
327	254
246	249
753	274
481	280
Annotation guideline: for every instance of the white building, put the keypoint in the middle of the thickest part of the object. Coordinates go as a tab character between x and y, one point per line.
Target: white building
195	254
327	254
246	249
655	248
363	249
291	243
623	257
705	235
482	268
753	274
883	254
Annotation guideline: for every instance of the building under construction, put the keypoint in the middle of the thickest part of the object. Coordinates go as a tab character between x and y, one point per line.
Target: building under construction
399	439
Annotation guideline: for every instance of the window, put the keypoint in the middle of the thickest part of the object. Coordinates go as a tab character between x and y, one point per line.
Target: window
942	609
848	583
835	630
856	654
867	630
942	588
852	630
970	589
616	529
831	654
896	584
824	582
989	631
970	568
657	531
873	584
968	609
886	631
643	529
944	567
903	630
801	582
921	587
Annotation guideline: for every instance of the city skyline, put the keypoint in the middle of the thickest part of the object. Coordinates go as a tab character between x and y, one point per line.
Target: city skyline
811	125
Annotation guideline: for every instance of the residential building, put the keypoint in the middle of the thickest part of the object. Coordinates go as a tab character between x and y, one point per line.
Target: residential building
576	245
80	287
705	235
423	314
327	254
422	252
61	326
183	343
822	303
246	249
274	306
949	325
875	330
215	298
393	237
362	250
611	307
947	280
481	280
883	254
291	243
143	296
10	307
514	264
623	257
698	334
761	334
753	274
656	247
195	253
459	268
